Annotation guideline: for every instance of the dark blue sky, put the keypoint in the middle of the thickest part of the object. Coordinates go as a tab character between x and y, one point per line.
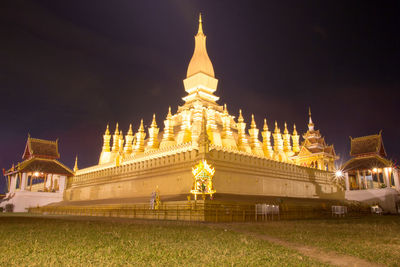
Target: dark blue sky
67	68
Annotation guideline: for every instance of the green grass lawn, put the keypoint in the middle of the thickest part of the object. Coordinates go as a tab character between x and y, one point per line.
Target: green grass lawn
374	238
35	241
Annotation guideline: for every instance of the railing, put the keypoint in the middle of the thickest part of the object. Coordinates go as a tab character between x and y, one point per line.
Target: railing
192	211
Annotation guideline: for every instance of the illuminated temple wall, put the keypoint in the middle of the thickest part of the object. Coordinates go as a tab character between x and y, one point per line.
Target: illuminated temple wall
236	173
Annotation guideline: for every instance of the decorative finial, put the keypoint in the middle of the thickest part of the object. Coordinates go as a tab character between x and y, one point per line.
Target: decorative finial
276	128
253	123
154	123
141	128
116	130
294	129
130	132
265	125
107	130
76	164
310	122
309	114
240	119
120	135
286	130
200	31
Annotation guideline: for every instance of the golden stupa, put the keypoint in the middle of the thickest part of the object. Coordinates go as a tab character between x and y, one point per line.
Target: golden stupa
132	166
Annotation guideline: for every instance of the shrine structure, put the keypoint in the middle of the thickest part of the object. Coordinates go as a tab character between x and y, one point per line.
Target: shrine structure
131	166
39	179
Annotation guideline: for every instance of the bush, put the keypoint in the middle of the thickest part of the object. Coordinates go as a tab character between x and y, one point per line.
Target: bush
1	209
9	207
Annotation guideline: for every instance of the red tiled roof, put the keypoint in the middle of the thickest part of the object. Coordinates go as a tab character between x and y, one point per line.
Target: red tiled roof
41	148
371	144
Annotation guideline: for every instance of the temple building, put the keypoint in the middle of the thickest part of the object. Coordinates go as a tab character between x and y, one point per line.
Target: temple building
133	165
369	167
314	152
369	176
39	179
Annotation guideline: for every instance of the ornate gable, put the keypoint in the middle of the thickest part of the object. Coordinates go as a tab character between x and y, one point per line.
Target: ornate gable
367	145
39	148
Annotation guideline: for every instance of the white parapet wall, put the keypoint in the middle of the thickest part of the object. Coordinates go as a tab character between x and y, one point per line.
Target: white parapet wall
386	198
22	200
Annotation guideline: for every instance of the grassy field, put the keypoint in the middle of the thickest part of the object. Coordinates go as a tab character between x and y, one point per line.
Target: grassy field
374	238
35	241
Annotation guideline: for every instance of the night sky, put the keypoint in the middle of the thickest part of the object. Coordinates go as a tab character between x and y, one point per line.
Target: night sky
67	68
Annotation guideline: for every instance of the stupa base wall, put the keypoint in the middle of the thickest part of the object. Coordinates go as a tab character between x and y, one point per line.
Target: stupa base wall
236	173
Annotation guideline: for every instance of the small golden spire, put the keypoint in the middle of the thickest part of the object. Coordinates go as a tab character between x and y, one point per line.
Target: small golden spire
107	130
116	130
295	140
310	122
225	109
240	119
154	123
169	113
309	115
76	164
265	125
130	132
277	130
141	128
120	135
200	31
253	123
286	130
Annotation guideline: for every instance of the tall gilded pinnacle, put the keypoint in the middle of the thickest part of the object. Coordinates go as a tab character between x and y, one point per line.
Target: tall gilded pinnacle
128	141
267	147
105	155
169	115
200	31
240	118
278	142
295	140
310	122
254	142
200	61
243	143
107	138
227	138
76	164
140	135
115	147
168	137
153	122
152	144
286	141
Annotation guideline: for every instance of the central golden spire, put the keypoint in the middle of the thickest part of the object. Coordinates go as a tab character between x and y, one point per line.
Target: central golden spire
200	61
200	31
